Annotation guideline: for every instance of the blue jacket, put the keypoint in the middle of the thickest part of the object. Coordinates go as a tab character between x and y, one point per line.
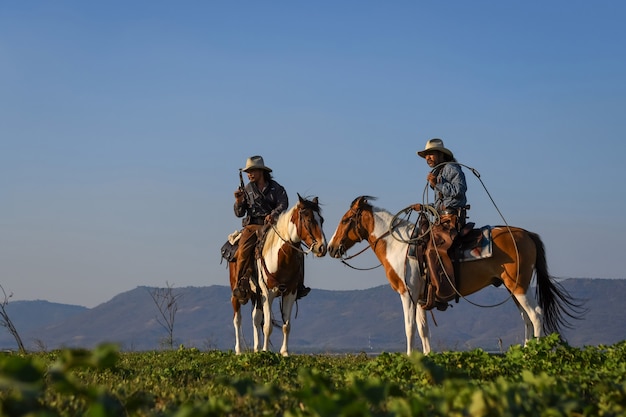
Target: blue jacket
450	187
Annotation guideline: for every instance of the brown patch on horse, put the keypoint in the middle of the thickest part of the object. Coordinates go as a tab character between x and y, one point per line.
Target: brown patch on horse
290	259
502	267
398	285
291	272
380	248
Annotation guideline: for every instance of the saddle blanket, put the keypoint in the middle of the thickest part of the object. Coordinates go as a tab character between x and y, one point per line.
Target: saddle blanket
234	237
479	248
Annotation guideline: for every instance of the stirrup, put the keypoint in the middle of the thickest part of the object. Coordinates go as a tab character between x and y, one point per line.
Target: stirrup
302	292
241	293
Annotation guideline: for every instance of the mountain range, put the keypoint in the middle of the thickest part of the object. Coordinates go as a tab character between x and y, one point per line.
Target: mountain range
326	321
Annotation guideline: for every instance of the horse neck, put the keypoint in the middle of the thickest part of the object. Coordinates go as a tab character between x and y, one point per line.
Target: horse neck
392	255
382	221
281	232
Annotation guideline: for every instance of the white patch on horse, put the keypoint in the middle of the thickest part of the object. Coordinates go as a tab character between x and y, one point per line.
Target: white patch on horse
394	244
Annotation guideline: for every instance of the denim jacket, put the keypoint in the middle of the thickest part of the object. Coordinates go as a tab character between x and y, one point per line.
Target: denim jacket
450	187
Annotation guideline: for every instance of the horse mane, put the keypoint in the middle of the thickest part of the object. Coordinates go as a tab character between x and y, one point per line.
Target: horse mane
365	198
384	216
279	230
381	212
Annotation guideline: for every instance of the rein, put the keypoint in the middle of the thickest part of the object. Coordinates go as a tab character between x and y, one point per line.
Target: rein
292	244
297	247
372	245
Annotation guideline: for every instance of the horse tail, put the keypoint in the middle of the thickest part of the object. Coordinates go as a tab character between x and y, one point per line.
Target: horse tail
556	302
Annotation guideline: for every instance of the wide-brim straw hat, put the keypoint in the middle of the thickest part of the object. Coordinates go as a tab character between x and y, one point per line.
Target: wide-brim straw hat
256	162
435	145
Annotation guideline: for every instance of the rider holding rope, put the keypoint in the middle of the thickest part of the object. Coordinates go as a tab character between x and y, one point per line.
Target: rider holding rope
448	182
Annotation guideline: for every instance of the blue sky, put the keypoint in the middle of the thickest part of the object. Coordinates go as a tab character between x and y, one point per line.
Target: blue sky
123	125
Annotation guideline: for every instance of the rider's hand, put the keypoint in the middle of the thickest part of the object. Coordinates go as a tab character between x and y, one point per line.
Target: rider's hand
432	179
269	219
239	196
417	207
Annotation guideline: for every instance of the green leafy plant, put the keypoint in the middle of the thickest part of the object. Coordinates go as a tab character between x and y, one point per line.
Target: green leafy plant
545	378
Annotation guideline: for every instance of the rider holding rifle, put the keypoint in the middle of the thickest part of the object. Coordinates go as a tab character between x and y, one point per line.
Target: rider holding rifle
260	202
448	182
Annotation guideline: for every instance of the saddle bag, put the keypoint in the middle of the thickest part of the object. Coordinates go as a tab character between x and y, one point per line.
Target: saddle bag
230	247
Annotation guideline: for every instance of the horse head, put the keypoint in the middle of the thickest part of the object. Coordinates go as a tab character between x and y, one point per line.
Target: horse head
308	221
353	227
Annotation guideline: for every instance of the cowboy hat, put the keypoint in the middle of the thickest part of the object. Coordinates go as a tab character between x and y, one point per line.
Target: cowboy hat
435	145
255	162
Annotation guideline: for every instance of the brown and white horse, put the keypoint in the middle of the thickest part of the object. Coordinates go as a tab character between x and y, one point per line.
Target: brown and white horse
281	269
255	301
517	254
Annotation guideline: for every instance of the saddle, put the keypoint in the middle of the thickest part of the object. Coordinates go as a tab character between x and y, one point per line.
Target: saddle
470	244
473	244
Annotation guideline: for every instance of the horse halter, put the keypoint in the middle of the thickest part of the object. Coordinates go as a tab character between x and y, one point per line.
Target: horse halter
355	222
307	227
356	225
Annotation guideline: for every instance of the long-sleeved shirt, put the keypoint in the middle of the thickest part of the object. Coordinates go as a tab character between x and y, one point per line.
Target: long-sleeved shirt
258	204
450	187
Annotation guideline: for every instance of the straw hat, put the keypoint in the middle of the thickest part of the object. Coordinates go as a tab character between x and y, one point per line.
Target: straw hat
255	162
435	145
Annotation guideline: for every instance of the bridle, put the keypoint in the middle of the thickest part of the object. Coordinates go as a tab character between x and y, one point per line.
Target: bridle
307	227
293	245
360	230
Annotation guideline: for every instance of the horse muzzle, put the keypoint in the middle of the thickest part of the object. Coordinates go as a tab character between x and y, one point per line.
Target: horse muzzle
335	251
319	249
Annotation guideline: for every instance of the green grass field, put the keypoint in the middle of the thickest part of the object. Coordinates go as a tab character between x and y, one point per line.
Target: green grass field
546	378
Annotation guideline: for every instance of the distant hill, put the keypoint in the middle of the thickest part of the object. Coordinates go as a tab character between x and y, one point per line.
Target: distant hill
326	321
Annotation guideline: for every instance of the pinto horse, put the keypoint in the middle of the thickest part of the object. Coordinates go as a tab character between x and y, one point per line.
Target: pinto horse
256	304
280	270
517	254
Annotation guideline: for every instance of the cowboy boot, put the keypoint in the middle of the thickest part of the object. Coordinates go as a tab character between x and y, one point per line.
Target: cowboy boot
242	291
445	288
428	302
439	259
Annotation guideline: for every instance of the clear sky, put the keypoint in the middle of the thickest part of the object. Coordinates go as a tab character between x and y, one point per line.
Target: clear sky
123	125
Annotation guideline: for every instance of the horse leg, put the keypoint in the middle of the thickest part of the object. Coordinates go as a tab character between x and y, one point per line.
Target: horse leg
237	324
232	272
257	320
532	315
422	328
408	307
267	299
528	325
288	300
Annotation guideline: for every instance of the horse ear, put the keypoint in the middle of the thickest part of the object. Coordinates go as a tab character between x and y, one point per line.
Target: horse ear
315	201
362	200
300	198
